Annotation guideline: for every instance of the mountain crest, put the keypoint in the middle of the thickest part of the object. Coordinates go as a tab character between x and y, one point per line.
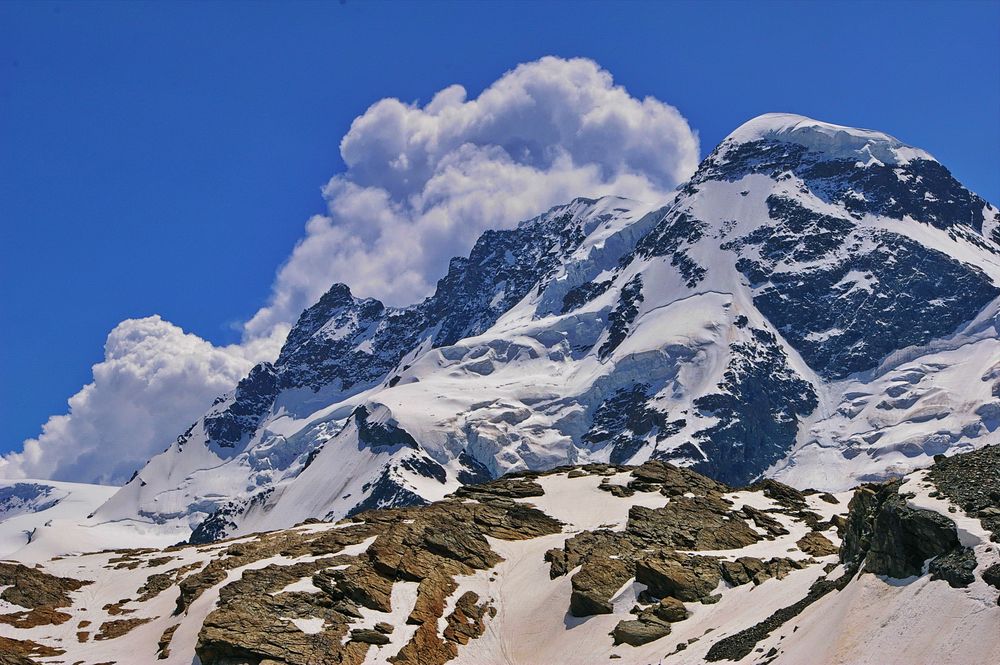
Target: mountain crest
812	293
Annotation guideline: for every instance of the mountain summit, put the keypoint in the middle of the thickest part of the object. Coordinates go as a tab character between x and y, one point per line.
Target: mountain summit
817	304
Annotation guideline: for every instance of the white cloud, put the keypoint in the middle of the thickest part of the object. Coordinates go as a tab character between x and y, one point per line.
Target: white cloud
422	183
155	380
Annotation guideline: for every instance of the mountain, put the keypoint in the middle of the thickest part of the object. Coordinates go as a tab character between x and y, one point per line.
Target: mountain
589	564
816	305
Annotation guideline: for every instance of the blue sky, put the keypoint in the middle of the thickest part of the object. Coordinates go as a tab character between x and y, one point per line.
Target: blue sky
163	158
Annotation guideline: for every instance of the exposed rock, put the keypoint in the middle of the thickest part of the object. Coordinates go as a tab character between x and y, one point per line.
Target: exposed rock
747	569
675	480
369	636
163	644
972	481
42	594
33	588
763	521
38	616
118	627
739	645
23	652
594	585
430	545
620	491
892	538
956	567
691	523
685	577
816	544
637	632
667	609
786	496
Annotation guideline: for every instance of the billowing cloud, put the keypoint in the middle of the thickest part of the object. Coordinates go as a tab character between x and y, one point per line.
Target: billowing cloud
155	380
421	184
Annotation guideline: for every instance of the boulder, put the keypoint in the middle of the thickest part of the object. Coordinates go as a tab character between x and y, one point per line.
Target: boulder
637	632
686	578
596	582
816	544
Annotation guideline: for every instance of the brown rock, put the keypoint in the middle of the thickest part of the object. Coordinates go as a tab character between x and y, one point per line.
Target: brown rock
112	629
596	582
637	632
669	609
687	578
369	636
816	544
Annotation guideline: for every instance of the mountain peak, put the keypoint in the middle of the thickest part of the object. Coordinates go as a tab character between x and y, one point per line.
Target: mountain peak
835	141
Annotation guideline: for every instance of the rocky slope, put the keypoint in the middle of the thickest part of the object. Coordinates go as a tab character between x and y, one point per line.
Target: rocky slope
587	564
810	307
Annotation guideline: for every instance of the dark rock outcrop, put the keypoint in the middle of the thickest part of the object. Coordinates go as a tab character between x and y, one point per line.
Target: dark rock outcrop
891	538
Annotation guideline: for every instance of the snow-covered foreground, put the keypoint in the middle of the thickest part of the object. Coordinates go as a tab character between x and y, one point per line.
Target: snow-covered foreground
475	579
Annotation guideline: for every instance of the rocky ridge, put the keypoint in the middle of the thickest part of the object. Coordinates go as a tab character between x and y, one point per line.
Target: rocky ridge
594	562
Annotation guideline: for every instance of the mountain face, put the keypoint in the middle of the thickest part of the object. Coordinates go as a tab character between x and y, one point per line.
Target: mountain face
589	564
817	304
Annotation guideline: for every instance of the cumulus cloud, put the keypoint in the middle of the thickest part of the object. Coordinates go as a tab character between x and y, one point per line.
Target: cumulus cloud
155	379
421	184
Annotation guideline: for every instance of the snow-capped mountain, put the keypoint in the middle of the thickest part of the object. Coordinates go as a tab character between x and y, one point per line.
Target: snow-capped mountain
818	304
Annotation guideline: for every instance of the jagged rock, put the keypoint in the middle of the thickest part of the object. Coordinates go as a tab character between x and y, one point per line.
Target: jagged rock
763	521
112	629
893	539
691	523
594	585
751	569
24	652
675	481
431	545
816	544
359	584
38	591
687	578
789	497
466	621
620	491
163	644
956	567
508	488
739	645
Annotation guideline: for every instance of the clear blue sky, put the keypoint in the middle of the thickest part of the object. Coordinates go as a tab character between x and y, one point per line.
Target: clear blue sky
162	158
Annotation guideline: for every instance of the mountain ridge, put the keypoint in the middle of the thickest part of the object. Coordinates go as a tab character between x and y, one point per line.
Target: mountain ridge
738	328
